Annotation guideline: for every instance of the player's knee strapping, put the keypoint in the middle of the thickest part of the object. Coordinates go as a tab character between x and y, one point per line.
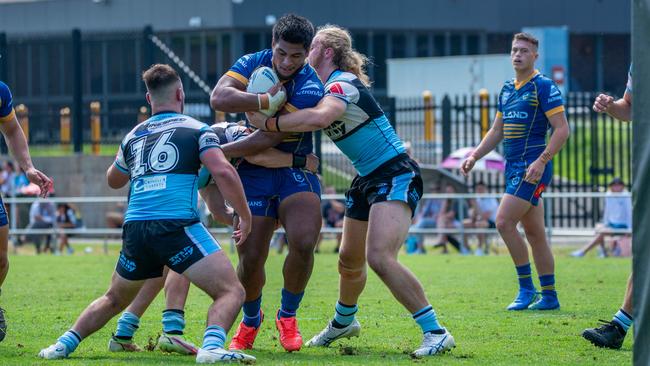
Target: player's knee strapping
352	273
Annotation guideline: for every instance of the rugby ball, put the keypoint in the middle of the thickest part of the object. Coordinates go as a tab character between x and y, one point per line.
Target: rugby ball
226	132
261	81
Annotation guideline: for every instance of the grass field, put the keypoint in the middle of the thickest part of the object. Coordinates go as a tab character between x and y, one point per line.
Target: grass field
44	294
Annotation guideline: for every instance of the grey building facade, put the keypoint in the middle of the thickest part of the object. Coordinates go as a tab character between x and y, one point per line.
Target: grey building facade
209	35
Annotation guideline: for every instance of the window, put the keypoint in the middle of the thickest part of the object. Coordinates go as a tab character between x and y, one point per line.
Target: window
398	46
456	47
439	45
195	61
211	60
499	43
251	42
473	44
422	45
379	57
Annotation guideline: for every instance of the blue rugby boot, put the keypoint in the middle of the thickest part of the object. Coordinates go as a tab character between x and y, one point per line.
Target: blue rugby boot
524	299
546	302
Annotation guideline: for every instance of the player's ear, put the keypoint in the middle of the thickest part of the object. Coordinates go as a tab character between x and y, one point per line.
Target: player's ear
180	95
148	98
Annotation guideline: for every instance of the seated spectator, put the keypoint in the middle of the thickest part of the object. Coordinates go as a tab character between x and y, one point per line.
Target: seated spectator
449	218
616	215
20	181
7	178
426	217
333	212
67	217
42	215
483	215
115	219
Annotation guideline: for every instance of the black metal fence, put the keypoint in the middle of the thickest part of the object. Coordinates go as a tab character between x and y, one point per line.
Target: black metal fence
598	149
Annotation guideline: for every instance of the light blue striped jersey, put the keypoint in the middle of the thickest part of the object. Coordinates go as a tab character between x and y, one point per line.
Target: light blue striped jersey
363	133
162	157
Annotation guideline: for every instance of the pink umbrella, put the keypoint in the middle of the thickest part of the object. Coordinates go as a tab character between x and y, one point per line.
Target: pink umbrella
492	161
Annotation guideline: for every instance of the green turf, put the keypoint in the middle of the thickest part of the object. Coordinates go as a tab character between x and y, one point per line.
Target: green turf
44	294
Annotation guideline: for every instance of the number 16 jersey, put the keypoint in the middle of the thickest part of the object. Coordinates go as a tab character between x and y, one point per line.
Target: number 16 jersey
162	157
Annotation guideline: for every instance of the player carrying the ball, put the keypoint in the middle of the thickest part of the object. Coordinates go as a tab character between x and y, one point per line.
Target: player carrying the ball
383	196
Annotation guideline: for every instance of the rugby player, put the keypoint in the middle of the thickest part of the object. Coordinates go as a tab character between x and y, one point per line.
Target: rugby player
176	286
160	158
528	106
382	198
612	334
17	143
291	195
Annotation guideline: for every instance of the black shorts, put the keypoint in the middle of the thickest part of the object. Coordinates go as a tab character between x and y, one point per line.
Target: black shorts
148	246
396	180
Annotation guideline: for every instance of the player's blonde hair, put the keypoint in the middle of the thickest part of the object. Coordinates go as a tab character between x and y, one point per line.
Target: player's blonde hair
345	57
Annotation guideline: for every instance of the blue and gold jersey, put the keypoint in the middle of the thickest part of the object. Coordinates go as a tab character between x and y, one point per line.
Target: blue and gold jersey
6	105
525	108
304	90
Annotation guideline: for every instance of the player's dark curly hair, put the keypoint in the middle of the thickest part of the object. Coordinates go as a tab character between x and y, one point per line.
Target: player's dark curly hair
295	29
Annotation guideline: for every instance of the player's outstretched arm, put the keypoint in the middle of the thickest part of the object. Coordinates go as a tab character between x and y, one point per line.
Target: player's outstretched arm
230	186
17	144
274	158
328	110
255	143
620	109
489	142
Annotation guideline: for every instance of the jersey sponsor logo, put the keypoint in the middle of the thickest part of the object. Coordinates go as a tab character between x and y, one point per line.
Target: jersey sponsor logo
244	61
337	89
349	202
181	256
208	139
516	114
299	178
414	196
256	203
310	88
335	130
383	188
146	184
515	181
127	264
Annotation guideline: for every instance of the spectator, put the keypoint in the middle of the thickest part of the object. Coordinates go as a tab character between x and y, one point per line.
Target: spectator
20	181
67	217
616	215
426	217
333	211
483	215
450	218
7	178
42	215
115	219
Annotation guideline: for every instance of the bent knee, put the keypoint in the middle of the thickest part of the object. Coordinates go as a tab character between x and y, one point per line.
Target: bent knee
379	262
504	224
